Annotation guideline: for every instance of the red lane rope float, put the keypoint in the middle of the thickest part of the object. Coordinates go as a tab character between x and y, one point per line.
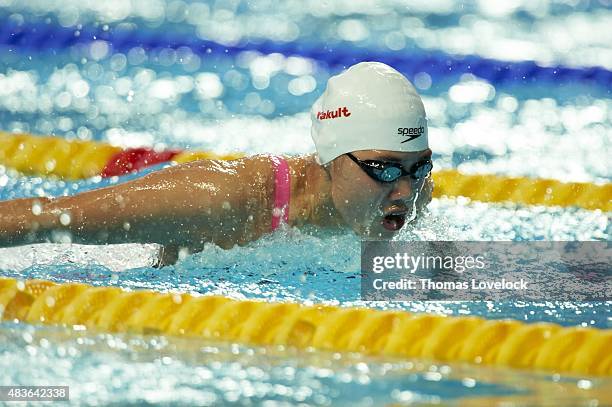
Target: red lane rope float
135	159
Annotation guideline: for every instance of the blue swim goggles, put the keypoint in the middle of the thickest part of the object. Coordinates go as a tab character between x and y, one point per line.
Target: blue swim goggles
384	171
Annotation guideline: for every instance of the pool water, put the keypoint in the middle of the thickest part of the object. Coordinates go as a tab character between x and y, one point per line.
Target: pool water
166	95
125	369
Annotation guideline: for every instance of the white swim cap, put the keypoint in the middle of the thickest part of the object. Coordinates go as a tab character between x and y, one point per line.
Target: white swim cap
369	106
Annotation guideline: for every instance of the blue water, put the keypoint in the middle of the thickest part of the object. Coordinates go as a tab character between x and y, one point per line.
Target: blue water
243	101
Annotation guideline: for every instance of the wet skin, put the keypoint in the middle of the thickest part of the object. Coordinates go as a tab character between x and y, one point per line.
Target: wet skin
224	202
363	202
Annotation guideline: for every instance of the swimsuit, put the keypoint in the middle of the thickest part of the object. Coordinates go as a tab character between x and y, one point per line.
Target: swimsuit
282	191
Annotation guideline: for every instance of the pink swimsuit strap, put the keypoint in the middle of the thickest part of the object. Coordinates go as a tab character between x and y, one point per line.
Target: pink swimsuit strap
282	191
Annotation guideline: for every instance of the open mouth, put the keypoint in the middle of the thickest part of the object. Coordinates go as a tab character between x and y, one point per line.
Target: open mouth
394	221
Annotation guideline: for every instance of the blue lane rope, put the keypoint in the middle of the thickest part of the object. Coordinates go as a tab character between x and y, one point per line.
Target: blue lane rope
438	65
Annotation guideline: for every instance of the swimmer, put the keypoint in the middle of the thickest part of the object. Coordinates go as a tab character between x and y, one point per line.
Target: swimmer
370	173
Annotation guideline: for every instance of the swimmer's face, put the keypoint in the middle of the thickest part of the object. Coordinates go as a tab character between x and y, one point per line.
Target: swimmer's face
371	208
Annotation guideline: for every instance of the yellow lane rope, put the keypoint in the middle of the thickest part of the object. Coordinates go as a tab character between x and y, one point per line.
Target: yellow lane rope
82	159
54	156
537	346
527	191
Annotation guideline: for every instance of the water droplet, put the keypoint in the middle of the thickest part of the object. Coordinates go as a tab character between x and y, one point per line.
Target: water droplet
36	208
27	337
65	219
50	165
50	301
183	253
468	382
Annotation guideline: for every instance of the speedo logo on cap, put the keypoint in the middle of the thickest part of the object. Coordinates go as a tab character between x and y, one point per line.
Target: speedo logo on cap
333	114
410	132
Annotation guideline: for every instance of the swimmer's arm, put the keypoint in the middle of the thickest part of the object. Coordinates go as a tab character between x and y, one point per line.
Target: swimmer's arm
181	205
17	220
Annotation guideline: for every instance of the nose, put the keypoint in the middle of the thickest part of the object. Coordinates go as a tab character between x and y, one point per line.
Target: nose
402	189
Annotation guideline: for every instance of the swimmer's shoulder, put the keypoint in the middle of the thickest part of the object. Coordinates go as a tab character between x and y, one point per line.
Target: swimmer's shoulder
263	164
256	170
211	167
266	159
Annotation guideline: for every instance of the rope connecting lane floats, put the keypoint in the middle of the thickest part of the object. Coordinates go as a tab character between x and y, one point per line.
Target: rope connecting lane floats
82	159
439	65
537	346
